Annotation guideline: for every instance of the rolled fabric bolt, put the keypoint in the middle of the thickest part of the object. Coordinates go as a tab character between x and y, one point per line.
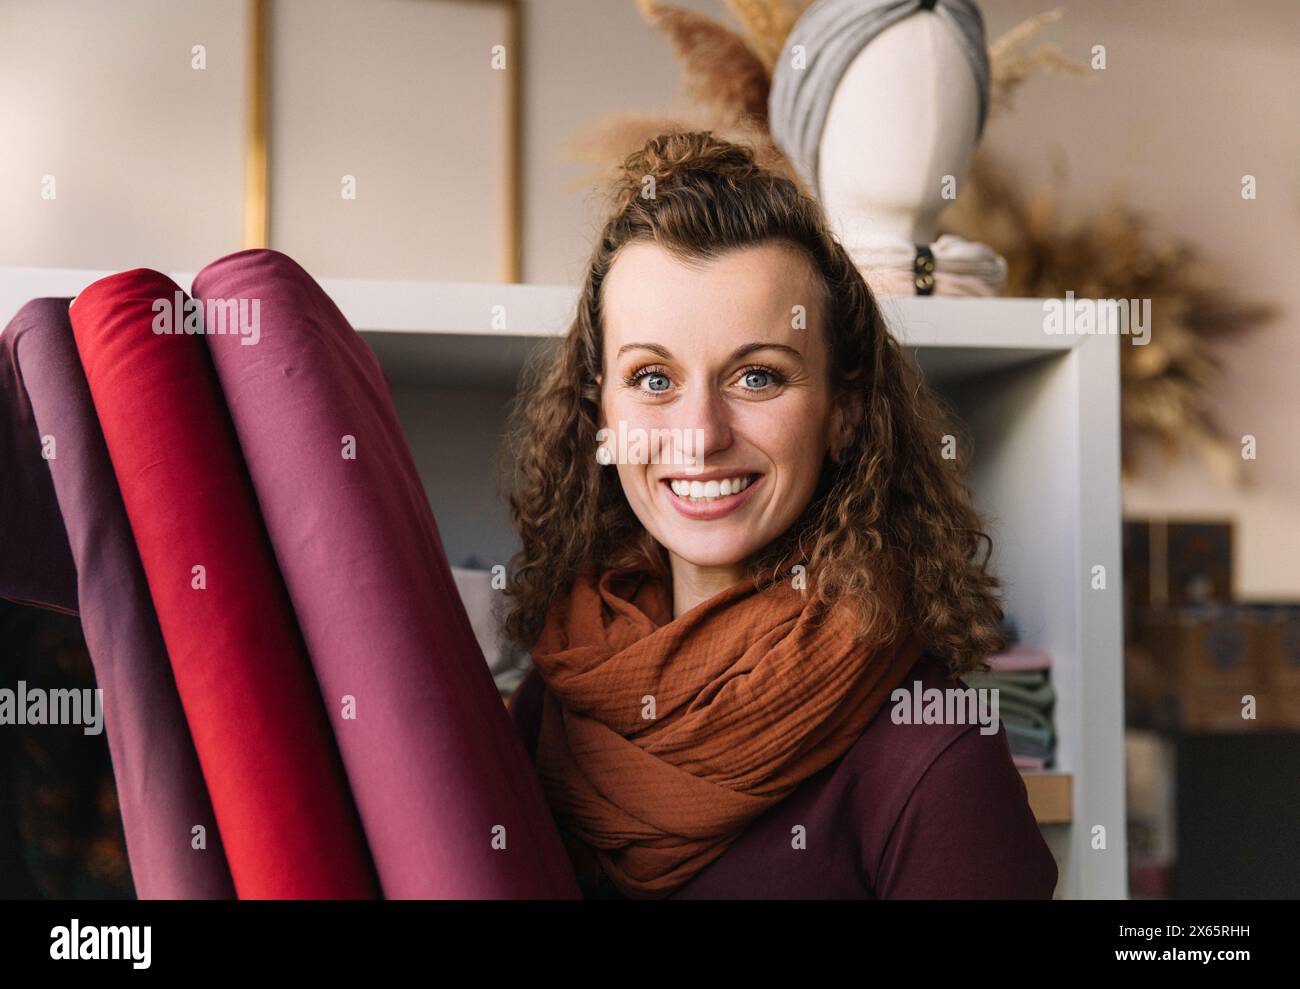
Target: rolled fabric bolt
451	803
160	788
36	566
269	760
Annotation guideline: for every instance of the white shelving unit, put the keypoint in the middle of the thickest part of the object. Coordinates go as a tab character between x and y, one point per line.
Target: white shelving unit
1042	410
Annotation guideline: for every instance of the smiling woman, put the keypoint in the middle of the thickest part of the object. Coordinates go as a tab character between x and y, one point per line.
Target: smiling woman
716	631
736	360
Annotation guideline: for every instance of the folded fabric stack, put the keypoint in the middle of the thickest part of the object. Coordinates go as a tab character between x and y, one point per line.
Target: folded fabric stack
296	703
1026	700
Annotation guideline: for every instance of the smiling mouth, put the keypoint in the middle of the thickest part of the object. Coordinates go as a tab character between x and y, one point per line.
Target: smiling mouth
708	492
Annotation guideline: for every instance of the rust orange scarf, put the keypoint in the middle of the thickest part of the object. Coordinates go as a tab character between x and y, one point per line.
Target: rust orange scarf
662	738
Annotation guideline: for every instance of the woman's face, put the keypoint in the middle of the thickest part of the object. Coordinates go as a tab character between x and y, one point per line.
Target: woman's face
726	362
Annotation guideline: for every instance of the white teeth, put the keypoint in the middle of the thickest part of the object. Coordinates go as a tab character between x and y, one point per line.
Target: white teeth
709	490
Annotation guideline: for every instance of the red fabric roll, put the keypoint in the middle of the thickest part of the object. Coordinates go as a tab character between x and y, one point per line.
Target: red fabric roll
264	744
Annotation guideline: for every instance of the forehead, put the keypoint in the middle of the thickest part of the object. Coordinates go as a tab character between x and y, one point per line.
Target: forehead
651	294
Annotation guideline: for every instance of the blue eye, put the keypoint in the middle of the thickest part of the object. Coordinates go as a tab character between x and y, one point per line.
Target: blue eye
648	373
760	378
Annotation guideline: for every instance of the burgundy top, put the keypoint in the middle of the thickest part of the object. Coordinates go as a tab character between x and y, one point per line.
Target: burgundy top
932	811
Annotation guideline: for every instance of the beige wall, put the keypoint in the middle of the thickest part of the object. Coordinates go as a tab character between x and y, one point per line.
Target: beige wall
146	151
586	59
401	95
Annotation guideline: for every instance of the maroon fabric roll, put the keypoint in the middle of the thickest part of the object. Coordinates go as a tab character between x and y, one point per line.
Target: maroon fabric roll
271	767
160	788
36	565
451	805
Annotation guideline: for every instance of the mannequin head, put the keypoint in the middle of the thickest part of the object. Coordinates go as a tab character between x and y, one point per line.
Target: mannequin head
904	115
876	102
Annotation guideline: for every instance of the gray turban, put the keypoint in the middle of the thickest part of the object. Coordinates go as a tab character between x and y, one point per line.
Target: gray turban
833	32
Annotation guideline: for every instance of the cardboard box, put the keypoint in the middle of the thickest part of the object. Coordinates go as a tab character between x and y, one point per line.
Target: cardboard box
1202	660
1281	643
1215	647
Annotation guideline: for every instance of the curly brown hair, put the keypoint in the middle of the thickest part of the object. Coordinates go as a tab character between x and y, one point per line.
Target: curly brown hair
890	527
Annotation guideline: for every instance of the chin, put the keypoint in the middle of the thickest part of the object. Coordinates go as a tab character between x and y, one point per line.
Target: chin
709	551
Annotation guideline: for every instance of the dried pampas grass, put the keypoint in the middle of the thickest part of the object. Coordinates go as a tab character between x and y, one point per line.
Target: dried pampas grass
1115	254
1010	66
720	70
768	23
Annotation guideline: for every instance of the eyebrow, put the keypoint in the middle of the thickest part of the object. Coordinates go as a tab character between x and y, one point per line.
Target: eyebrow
742	351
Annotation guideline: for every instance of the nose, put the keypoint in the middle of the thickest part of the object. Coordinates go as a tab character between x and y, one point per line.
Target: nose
704	425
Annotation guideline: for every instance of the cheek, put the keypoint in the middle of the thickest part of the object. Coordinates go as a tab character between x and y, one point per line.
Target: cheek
792	435
631	478
643	432
620	407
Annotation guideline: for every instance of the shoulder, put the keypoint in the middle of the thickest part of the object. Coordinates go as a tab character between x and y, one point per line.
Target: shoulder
901	743
941	810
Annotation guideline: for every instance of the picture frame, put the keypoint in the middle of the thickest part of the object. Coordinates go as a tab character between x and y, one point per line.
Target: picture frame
265	226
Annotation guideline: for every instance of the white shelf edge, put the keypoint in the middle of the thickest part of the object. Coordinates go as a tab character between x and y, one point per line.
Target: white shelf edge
540	310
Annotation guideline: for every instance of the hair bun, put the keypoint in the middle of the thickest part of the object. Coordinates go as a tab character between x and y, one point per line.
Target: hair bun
674	157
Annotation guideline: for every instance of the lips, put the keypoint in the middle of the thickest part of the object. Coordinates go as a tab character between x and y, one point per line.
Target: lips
710	502
697	490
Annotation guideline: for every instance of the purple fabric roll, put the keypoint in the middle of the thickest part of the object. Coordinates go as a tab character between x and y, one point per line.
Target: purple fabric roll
449	800
36	564
160	787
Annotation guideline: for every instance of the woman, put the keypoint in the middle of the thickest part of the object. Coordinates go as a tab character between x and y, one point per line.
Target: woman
740	539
